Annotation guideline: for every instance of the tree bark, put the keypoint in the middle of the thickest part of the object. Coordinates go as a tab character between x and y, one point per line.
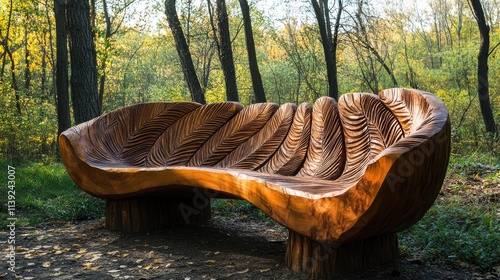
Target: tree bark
102	77
62	94
327	42
5	41
226	52
197	93
482	67
27	57
83	62
258	88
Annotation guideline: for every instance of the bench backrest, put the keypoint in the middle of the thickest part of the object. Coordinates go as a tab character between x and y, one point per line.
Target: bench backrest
327	140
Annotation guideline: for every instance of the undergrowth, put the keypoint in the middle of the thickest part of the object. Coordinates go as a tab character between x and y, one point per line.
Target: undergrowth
457	231
44	193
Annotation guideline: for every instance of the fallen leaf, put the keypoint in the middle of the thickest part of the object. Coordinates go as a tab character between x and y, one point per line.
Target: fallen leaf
265	270
46	264
82	251
158	261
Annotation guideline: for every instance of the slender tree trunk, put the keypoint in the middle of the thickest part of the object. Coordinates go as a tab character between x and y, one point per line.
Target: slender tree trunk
334	44
226	52
102	77
327	50
15	86
92	14
5	42
83	62
482	67
257	85
62	94
44	72
51	59
363	39
27	70
187	65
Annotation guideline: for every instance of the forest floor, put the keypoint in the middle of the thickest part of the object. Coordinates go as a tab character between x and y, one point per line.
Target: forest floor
227	247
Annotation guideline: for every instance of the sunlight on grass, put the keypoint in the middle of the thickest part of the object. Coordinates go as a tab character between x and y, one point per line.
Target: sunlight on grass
45	192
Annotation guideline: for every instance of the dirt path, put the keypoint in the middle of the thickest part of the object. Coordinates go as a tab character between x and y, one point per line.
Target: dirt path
220	249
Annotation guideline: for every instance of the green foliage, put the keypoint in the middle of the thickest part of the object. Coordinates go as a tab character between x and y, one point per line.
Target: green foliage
45	192
31	135
457	230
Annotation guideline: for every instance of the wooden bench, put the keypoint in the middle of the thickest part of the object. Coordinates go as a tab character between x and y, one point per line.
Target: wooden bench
343	178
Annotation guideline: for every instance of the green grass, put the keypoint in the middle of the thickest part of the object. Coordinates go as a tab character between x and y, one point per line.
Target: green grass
44	193
239	209
457	231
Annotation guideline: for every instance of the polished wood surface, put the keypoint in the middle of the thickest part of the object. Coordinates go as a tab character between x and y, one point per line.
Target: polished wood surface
334	174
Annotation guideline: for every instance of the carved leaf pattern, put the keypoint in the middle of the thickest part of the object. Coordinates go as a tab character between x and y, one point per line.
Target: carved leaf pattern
326	154
369	128
288	140
410	107
259	148
237	130
123	135
291	154
177	144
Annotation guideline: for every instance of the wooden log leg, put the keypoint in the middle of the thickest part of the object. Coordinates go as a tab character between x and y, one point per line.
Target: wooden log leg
323	261
144	214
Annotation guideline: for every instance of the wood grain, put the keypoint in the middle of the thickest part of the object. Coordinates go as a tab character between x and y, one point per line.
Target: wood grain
336	174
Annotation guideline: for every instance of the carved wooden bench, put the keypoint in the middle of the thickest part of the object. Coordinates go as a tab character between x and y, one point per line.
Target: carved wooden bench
343	178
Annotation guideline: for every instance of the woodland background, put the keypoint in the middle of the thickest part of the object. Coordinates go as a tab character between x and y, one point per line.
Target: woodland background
431	45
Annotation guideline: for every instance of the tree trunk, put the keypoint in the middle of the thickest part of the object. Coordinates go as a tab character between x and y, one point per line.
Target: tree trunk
326	42
83	62
5	42
27	71
62	95
482	67
102	77
188	69
226	52
15	86
258	88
